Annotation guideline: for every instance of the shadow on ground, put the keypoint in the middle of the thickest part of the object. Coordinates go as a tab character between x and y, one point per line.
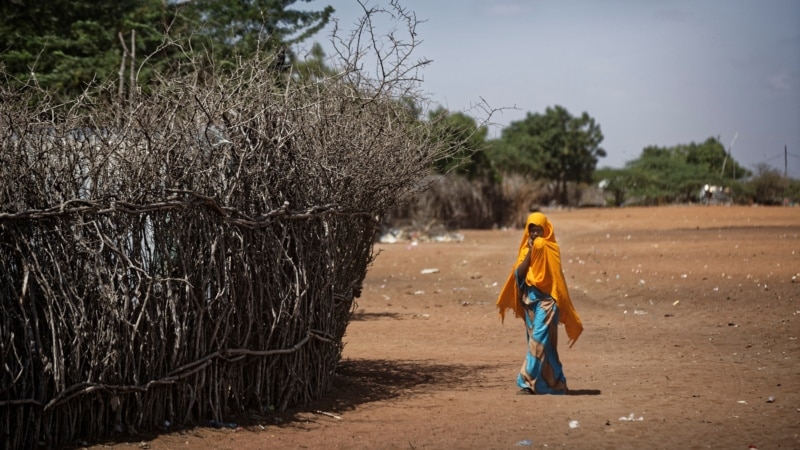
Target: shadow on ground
362	381
357	382
583	392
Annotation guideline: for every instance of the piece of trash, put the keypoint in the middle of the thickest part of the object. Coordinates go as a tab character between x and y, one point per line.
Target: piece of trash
328	414
574	424
631	418
675	303
639	312
742	402
771	399
731	324
525	443
428	271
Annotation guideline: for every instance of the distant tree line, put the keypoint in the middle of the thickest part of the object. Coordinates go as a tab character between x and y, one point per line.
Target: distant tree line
561	152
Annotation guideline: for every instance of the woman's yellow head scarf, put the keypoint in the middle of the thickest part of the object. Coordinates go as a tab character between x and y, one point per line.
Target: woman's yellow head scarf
545	273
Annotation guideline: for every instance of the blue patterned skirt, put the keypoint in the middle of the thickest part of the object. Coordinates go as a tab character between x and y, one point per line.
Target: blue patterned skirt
542	372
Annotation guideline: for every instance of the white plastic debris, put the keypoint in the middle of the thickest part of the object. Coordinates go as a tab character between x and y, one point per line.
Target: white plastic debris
631	418
574	424
429	271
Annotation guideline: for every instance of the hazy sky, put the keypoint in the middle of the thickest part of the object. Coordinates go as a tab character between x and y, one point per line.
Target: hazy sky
659	73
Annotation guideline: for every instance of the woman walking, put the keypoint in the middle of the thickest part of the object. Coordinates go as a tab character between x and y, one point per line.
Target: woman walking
537	292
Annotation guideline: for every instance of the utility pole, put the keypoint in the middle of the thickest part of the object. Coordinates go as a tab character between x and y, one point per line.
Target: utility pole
728	155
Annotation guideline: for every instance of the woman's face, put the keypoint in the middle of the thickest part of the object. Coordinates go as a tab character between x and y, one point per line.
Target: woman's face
535	231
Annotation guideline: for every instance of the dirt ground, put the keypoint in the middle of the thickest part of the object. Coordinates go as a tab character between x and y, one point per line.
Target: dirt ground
691	317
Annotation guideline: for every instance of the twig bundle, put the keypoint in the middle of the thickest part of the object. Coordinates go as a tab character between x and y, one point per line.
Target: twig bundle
191	255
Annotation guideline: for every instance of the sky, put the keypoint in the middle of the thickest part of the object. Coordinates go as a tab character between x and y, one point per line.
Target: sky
660	73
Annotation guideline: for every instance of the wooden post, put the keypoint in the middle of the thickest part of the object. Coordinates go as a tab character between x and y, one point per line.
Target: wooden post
132	87
121	92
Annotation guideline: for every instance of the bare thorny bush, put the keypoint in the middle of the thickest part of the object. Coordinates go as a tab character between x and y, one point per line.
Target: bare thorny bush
196	252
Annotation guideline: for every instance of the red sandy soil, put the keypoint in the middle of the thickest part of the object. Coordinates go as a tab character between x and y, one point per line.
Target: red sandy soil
691	316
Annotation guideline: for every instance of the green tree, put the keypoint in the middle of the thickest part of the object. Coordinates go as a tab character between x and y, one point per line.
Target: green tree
68	44
678	173
712	155
616	182
64	45
793	191
768	186
663	175
554	146
313	66
467	139
232	28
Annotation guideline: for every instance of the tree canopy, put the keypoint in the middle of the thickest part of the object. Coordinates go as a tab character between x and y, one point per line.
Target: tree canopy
468	140
556	146
678	173
67	44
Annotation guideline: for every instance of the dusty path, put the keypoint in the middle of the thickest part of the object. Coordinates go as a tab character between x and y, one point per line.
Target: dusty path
692	318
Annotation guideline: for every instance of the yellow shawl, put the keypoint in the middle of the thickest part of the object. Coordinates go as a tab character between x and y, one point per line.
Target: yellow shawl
545	273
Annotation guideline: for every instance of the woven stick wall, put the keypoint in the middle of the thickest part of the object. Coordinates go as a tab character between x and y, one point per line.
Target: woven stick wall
191	255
